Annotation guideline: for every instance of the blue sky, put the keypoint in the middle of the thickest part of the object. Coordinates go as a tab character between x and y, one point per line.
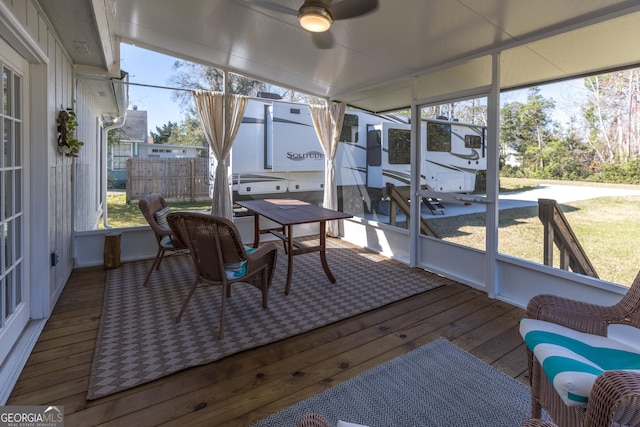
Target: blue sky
153	68
150	68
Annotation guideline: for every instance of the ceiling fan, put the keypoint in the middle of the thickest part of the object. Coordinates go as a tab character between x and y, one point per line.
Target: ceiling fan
316	16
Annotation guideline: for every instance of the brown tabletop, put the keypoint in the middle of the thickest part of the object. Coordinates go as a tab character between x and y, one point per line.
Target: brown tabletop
288	213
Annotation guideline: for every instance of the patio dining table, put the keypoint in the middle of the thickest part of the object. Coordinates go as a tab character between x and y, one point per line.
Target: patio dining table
287	213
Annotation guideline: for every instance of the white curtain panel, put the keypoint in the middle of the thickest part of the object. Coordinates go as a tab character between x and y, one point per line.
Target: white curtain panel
220	117
327	120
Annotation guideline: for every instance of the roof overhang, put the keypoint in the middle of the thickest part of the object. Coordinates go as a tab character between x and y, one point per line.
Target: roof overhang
404	51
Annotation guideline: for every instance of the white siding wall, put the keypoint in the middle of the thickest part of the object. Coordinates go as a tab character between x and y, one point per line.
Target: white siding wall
87	198
67	205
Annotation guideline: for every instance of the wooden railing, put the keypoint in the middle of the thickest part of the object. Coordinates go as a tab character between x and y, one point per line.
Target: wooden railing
398	201
558	231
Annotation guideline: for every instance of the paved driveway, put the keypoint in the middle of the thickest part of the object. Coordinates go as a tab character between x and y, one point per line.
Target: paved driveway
518	199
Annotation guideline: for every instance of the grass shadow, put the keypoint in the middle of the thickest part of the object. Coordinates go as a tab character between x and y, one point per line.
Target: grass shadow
452	227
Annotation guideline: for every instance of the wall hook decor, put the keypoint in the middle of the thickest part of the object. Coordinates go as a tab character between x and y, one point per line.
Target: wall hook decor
68	144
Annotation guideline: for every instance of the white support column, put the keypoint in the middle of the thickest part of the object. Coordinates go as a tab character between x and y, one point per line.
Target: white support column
414	226
493	185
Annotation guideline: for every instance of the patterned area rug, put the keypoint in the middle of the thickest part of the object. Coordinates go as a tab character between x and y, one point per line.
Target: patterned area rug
139	340
435	385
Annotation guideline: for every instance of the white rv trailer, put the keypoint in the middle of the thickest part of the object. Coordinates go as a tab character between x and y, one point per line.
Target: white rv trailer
277	154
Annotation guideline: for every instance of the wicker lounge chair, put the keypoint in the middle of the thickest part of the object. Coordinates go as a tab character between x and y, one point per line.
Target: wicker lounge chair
154	208
221	259
615	396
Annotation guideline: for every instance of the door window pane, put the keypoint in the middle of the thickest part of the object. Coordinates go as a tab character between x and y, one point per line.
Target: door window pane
454	160
11	197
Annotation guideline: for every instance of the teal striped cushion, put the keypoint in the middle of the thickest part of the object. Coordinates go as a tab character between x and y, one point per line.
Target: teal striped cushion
238	269
161	217
572	360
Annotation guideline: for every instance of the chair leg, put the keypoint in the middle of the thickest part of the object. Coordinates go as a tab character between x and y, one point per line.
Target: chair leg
536	407
154	266
265	289
186	301
225	289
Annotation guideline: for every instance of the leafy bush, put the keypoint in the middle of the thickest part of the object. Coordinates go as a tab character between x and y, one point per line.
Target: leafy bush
625	173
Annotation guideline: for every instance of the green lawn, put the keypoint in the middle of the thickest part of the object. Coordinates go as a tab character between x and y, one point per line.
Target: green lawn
608	229
121	214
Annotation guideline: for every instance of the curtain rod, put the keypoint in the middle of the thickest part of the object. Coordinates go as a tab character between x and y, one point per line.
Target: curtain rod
153	86
193	90
115	80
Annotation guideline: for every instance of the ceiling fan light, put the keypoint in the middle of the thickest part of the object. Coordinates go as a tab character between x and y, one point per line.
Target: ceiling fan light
315	19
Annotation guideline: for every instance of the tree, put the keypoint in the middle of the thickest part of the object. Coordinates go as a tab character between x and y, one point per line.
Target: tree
526	129
612	115
191	76
163	134
189	132
472	111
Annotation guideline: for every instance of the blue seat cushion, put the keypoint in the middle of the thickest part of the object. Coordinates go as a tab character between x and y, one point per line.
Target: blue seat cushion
572	360
238	269
166	242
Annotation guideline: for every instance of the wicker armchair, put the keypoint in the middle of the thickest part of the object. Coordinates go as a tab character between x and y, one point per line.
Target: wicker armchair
312	420
537	422
615	396
154	208
220	258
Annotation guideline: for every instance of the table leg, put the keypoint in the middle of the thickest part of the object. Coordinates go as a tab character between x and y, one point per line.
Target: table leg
323	255
289	251
256	230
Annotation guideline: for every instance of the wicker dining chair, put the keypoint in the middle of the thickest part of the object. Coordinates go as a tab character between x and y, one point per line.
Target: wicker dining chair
221	259
615	396
155	210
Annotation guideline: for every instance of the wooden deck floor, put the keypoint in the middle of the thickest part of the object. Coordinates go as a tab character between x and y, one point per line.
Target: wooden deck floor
248	386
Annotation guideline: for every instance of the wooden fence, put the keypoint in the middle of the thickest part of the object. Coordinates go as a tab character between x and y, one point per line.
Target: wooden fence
177	180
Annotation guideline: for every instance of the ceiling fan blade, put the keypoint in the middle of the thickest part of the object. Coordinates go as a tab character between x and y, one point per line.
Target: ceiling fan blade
274	6
352	8
323	40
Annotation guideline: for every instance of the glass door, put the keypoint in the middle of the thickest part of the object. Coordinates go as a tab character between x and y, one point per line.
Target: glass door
14	307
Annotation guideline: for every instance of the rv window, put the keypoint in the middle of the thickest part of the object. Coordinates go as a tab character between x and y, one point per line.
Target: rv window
438	137
399	146
349	129
472	141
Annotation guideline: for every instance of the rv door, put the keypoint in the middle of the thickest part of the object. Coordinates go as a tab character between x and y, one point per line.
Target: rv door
374	157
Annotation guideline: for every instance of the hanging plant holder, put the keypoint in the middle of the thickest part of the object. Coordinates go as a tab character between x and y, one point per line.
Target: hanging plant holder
68	144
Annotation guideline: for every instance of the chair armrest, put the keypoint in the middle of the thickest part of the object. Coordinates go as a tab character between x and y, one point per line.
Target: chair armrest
578	315
615	396
262	259
262	251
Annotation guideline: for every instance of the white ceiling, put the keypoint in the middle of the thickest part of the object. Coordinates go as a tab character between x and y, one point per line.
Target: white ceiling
374	58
